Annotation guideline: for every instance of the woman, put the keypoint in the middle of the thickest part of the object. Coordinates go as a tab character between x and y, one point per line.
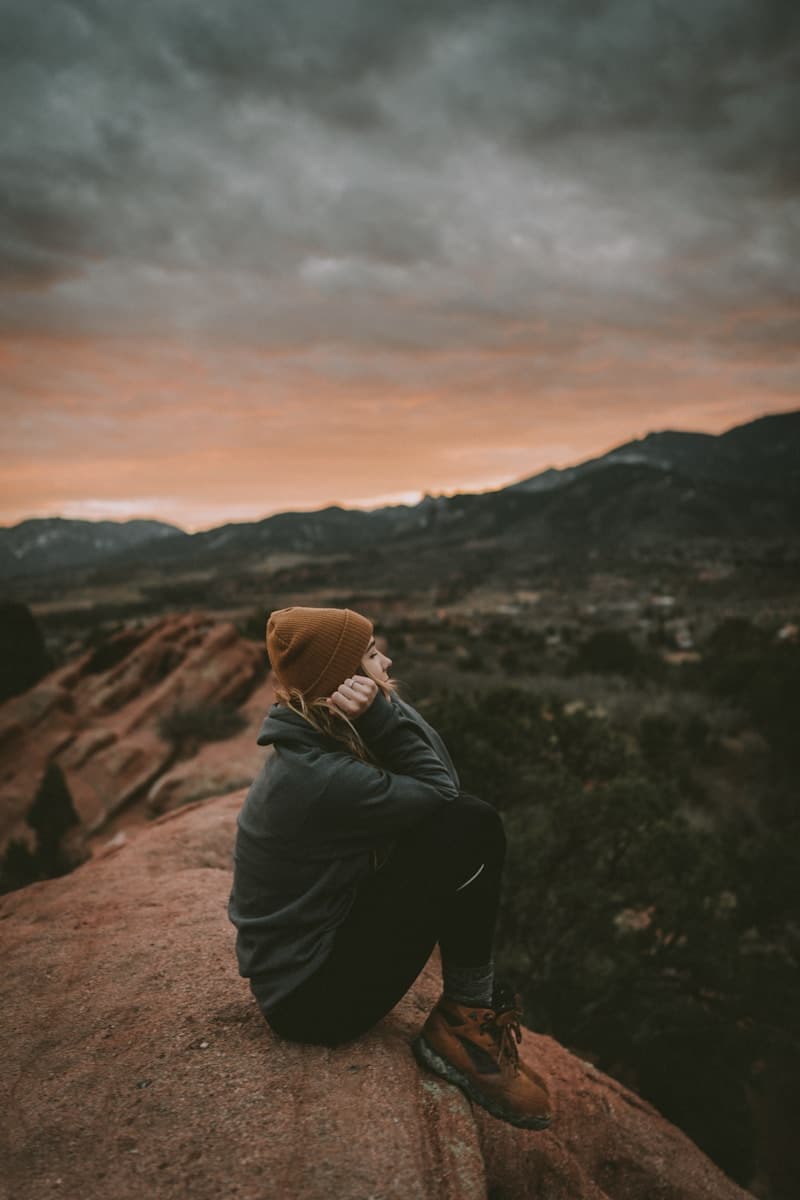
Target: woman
356	852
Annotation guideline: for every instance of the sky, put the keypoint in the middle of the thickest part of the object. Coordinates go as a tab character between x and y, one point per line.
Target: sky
267	256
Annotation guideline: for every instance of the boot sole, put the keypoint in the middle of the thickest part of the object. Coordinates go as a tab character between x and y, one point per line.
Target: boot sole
427	1057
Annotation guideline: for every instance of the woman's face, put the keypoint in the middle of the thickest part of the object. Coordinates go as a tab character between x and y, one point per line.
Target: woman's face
376	663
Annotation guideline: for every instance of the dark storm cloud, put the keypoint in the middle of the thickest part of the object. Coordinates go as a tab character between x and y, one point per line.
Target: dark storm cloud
406	175
723	72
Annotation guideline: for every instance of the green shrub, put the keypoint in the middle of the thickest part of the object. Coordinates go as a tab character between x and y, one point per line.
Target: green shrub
608	650
633	934
51	816
19	866
743	665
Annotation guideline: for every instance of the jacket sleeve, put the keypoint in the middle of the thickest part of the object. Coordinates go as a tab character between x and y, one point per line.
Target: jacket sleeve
411	782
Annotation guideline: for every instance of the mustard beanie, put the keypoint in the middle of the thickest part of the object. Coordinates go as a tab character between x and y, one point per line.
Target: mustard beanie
315	649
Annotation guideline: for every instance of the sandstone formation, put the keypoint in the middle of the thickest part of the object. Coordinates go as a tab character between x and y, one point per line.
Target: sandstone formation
136	1065
100	719
216	767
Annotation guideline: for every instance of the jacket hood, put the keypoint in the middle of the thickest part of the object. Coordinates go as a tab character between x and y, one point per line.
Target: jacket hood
282	725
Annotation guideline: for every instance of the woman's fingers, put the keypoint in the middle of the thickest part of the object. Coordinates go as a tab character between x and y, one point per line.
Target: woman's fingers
355	695
364	687
358	684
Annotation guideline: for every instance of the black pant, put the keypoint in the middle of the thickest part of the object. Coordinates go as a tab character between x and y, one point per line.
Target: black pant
413	901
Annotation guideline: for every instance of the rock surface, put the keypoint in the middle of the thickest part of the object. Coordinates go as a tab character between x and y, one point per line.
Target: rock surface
99	719
136	1065
217	767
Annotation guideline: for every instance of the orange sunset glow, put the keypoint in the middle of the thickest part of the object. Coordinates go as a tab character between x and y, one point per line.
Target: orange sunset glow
228	294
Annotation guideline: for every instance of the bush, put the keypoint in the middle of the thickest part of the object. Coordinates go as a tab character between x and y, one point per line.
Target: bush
24	657
608	651
19	866
508	742
742	665
655	946
51	816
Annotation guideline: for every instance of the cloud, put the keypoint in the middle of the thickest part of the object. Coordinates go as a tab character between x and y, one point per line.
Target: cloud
544	207
202	137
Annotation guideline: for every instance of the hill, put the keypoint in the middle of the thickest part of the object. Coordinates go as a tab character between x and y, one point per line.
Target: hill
668	492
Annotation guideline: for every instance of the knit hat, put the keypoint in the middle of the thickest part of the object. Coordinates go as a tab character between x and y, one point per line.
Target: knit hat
315	649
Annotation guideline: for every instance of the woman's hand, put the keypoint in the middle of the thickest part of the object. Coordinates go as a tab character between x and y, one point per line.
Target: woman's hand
354	696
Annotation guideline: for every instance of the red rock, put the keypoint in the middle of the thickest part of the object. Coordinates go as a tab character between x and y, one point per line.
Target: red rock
136	1065
213	771
116	774
220	668
101	723
24	754
217	767
85	746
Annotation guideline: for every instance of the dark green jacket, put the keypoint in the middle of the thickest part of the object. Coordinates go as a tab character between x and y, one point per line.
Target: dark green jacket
309	827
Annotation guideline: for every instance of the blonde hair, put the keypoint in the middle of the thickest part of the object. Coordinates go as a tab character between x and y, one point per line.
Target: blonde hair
330	722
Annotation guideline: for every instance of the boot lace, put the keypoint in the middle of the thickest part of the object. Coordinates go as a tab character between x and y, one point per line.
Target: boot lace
503	1025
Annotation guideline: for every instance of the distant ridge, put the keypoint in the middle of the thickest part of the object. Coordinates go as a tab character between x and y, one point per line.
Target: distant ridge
764	452
42	544
668	485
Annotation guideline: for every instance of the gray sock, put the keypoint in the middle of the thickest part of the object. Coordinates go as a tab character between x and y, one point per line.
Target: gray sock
469	985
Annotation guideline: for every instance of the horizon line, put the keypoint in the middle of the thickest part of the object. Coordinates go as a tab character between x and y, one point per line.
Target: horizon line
389	503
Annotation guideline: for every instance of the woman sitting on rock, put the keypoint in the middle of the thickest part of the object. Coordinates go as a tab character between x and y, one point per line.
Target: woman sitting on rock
356	852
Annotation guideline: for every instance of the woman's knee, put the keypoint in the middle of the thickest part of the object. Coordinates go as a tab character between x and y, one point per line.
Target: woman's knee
467	823
472	812
451	844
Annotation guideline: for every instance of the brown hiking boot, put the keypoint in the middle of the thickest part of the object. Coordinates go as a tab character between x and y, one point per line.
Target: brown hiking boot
476	1048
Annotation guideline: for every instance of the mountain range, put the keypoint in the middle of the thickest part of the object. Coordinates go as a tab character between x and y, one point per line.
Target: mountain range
667	488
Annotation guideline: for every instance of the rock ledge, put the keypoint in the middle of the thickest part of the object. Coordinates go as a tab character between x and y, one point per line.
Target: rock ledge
138	1066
